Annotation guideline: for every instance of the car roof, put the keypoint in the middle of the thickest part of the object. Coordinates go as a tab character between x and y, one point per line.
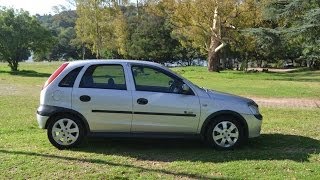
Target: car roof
111	61
119	61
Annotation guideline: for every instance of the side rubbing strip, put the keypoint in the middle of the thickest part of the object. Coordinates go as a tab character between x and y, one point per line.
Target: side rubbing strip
165	114
144	113
107	111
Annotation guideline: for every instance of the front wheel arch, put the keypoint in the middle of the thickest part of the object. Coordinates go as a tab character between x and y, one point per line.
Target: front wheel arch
218	114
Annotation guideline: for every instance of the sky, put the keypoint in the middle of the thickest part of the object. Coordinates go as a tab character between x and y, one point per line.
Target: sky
35	6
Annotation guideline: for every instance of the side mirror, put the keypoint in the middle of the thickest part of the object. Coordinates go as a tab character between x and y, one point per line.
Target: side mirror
185	88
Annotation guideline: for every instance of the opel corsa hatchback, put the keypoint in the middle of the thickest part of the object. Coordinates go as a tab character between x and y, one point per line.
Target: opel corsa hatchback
126	98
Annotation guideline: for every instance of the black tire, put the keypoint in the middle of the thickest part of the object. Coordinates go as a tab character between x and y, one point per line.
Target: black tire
68	138
216	139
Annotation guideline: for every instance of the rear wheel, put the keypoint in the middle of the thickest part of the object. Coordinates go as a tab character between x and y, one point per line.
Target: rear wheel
65	132
225	132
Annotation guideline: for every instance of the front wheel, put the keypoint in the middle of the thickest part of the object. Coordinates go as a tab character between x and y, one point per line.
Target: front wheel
225	133
65	132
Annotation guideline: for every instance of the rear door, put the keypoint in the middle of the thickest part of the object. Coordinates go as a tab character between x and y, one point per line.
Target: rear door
103	99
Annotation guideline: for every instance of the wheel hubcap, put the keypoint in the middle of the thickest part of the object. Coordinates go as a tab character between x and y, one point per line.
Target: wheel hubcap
65	131
225	134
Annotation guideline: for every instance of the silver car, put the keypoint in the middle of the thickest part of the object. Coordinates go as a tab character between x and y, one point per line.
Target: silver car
126	98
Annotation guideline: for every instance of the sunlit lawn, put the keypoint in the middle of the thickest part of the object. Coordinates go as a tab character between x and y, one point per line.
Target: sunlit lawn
305	84
289	147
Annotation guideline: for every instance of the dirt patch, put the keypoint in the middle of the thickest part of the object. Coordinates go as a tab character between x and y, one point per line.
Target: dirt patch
24	90
7	89
287	102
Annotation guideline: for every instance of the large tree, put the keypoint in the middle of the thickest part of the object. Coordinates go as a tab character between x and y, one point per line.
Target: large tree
300	27
205	22
150	38
290	30
96	23
62	26
21	33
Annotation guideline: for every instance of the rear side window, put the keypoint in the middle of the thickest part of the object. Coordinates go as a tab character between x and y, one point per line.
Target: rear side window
104	77
70	78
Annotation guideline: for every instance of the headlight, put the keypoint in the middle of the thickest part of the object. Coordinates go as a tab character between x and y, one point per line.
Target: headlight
253	108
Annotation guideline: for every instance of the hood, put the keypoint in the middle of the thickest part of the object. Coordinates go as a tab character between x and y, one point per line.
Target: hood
227	97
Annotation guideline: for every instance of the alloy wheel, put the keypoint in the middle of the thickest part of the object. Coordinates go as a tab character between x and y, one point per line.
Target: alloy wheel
65	132
225	134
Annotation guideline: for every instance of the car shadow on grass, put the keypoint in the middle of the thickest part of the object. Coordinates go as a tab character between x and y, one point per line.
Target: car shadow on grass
265	147
26	73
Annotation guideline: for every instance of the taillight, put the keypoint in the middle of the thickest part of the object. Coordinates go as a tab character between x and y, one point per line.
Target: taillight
55	74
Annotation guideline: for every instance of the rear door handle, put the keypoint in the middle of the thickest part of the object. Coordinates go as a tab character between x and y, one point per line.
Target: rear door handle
85	98
142	101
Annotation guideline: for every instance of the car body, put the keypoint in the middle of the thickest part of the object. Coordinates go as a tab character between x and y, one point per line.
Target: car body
127	98
288	65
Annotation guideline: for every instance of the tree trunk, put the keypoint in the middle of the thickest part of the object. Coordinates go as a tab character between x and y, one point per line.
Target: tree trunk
138	7
215	42
83	51
13	65
98	31
213	58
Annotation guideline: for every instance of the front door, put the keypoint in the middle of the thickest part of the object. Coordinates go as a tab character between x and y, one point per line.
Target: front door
103	99
159	104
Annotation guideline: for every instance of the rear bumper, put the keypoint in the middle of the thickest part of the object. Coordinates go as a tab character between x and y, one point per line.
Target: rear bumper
42	120
43	114
254	124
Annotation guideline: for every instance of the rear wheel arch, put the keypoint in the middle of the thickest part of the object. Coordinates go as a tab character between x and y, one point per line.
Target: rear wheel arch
73	113
218	114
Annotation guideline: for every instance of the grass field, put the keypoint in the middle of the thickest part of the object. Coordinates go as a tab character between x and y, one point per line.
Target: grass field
305	84
289	146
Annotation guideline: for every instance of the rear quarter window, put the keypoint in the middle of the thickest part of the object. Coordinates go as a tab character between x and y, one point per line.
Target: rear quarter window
69	79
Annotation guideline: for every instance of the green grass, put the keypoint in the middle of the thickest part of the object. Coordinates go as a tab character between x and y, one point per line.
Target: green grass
289	147
305	84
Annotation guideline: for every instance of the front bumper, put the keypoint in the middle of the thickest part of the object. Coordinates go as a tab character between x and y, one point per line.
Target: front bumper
42	120
254	124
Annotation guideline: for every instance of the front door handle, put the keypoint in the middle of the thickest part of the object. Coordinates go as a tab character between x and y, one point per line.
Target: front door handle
188	112
142	101
85	98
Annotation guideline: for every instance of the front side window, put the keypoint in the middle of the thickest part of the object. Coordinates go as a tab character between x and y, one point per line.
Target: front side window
152	79
104	77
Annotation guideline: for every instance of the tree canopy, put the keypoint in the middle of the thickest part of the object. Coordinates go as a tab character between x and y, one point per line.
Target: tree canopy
259	32
21	33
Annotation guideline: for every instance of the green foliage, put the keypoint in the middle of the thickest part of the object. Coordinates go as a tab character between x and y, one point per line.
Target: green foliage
67	46
150	38
95	24
21	33
267	43
214	26
294	27
240	32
